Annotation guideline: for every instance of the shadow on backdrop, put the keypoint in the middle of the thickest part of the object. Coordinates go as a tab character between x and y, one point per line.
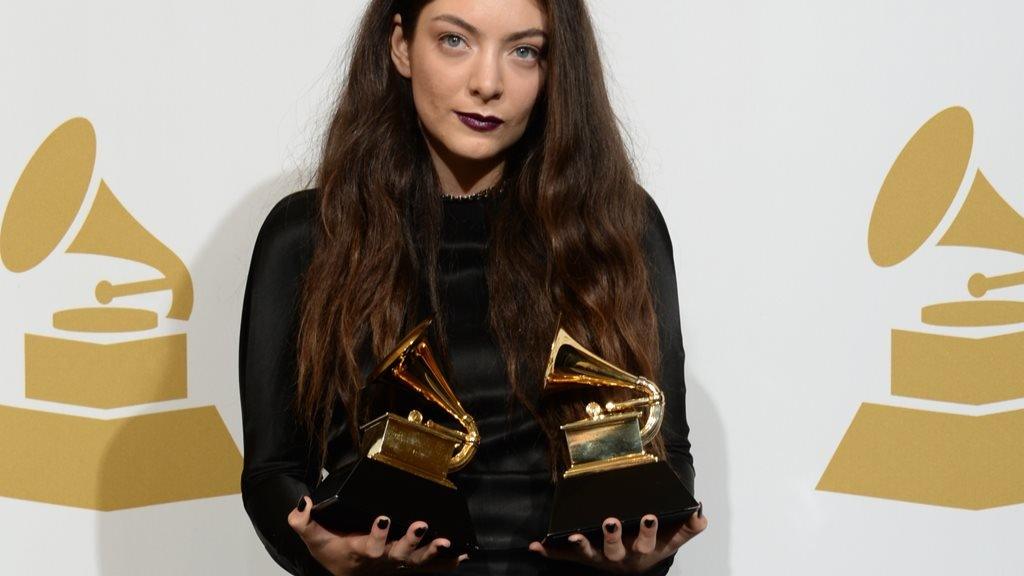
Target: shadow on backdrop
708	553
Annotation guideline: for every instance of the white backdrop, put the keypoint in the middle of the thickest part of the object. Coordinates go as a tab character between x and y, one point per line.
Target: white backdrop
763	129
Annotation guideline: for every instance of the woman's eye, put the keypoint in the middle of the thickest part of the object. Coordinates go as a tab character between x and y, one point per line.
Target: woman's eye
451	40
527	52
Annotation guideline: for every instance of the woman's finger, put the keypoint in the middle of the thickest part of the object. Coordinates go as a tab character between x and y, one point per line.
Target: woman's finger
298	518
583	547
560	552
648	537
613	548
376	542
445	565
427	553
539	549
403	547
695	524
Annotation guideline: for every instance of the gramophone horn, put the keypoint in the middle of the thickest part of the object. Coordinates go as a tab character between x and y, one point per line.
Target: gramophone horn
109	230
921	185
986	221
571	365
414	365
919	189
49	195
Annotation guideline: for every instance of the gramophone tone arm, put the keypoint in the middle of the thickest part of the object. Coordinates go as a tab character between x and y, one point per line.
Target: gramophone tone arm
978	284
653	401
470	441
106	292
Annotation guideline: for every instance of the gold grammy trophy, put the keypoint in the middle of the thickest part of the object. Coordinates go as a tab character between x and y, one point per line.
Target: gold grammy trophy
103	463
610	472
403	471
915	455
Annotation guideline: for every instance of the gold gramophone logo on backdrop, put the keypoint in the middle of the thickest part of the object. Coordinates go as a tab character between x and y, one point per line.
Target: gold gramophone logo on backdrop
955	460
103	464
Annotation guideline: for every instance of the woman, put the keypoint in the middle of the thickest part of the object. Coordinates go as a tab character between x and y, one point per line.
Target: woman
473	170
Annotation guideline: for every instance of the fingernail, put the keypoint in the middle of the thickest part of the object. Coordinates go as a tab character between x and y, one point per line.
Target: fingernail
419	532
575	538
700	510
302	504
383	523
444	545
610	527
649	522
464	557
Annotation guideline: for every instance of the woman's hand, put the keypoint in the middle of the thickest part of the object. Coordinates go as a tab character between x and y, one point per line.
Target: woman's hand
354	554
643	552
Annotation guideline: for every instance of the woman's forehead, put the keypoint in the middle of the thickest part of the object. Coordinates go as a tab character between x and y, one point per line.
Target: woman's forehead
487	16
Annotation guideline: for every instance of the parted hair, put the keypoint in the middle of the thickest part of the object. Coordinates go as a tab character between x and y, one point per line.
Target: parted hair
565	243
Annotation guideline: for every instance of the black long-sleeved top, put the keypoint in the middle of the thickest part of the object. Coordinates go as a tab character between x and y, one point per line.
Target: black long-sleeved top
507	484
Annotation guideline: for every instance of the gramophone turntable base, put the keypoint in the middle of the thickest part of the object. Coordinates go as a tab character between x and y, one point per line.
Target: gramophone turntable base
954	460
582	503
957	369
115	464
114	375
378	489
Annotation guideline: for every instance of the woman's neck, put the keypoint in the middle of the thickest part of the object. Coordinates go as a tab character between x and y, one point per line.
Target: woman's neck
461	176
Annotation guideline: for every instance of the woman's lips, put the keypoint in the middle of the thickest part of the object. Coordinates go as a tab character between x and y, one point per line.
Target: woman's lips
478	122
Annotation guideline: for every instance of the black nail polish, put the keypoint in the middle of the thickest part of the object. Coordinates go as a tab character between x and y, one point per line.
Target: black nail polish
700	510
302	504
419	532
383	523
611	527
649	522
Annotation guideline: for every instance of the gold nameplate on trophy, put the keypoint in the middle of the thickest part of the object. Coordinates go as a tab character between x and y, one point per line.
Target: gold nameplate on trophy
605	443
405	461
410	445
610	472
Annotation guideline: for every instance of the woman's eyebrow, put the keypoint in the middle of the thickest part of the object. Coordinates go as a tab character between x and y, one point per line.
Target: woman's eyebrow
526	34
452	19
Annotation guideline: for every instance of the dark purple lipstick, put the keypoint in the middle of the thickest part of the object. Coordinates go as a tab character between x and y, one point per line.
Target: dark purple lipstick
478	122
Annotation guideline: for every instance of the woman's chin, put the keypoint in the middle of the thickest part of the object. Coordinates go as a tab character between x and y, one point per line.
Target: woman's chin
477	153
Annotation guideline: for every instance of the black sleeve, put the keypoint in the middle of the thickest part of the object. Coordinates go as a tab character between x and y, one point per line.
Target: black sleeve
278	464
661	268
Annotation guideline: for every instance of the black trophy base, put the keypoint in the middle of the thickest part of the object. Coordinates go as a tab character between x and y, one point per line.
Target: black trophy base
351	498
582	503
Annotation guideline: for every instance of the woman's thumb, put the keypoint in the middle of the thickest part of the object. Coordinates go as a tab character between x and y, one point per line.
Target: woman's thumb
298	518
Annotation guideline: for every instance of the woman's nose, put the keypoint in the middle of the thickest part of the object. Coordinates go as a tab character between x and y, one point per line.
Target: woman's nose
485	81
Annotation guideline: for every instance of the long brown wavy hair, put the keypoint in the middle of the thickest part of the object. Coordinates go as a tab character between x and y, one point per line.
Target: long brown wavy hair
566	232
